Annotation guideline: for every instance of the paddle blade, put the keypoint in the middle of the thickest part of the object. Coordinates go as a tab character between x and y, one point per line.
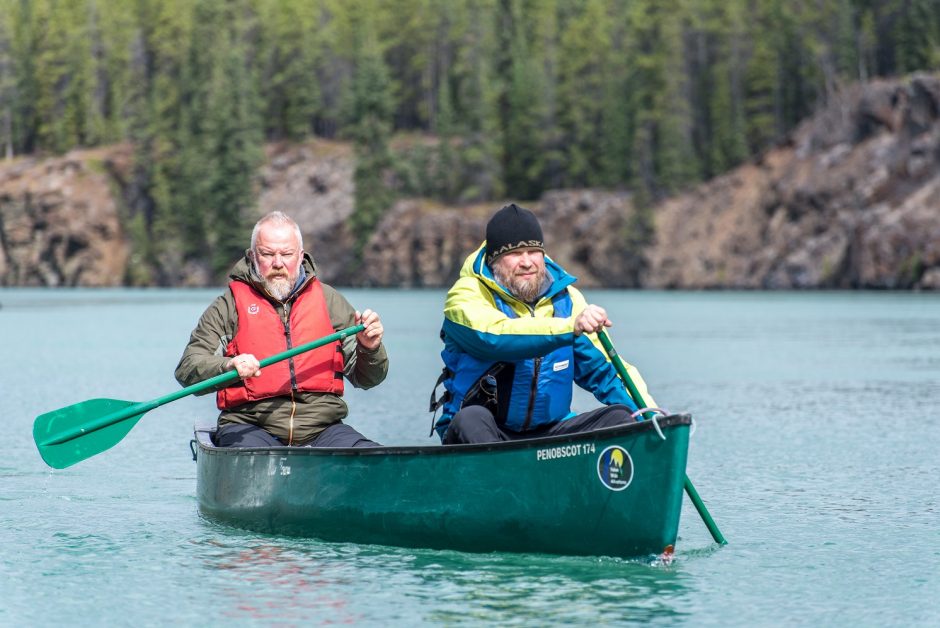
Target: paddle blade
51	426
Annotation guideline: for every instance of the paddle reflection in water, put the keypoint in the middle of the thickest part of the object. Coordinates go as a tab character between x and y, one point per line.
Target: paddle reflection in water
287	581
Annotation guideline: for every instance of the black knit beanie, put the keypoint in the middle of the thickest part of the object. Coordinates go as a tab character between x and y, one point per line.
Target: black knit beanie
511	228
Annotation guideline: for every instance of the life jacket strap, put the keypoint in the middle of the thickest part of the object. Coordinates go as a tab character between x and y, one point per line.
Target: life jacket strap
435	403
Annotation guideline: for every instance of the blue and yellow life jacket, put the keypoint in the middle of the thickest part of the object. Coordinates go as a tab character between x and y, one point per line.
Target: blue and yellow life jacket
529	393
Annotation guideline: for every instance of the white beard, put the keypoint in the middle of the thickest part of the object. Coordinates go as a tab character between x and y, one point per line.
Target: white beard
279	287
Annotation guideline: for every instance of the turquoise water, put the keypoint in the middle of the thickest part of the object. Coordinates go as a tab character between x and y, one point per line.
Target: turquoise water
818	427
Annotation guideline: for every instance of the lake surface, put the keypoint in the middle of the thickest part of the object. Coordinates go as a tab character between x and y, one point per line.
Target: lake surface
816	451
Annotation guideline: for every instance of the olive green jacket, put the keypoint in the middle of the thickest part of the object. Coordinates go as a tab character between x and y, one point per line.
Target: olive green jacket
204	357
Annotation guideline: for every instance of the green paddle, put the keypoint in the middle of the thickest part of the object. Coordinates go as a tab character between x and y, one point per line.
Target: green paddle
74	433
641	403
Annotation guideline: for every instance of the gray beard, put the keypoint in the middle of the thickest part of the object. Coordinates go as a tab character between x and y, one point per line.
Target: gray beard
527	291
279	288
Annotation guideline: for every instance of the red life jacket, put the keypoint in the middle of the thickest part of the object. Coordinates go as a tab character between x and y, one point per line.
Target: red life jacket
262	333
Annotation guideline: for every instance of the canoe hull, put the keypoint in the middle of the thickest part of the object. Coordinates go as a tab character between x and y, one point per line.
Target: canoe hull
615	492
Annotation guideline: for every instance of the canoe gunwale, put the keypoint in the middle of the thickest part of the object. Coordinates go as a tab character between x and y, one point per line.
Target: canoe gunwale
203	439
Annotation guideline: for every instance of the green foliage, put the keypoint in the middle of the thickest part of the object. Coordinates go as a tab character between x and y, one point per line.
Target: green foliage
475	100
917	35
7	82
584	70
527	127
288	52
232	144
198	135
761	97
662	150
717	80
449	165
510	97
369	107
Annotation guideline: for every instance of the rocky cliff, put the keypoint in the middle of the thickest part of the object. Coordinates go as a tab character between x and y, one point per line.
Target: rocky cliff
421	244
59	222
851	200
313	183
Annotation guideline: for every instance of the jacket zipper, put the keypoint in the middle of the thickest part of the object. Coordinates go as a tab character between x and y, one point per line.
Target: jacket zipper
290	345
285	321
537	366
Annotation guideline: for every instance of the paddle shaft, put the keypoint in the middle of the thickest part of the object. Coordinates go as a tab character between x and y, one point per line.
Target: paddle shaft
224	378
640	402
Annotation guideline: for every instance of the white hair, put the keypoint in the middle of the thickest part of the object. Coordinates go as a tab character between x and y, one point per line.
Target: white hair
279	218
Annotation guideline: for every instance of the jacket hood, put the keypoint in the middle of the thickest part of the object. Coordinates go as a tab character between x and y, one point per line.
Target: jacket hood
475	266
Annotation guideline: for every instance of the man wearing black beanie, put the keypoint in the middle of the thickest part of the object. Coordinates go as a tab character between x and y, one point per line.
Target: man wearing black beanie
512	228
517	336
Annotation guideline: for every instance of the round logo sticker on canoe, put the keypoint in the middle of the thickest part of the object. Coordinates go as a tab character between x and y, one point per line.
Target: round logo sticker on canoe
615	468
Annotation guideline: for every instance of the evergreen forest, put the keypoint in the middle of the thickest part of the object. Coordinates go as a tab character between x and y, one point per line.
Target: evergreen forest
510	98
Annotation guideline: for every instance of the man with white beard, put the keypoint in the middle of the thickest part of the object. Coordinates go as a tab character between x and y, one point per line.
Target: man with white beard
517	335
275	302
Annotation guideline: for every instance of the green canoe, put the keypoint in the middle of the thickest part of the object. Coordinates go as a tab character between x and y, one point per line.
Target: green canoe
611	492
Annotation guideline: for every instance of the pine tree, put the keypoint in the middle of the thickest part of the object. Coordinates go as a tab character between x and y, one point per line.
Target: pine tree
113	63
525	105
584	68
369	108
476	113
662	146
234	137
845	40
64	74
49	46
25	84
288	54
154	106
406	31
616	134
797	83
916	34
448	168
762	104
220	135
719	76
7	81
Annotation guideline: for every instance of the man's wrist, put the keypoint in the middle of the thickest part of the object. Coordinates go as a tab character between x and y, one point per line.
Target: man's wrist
361	348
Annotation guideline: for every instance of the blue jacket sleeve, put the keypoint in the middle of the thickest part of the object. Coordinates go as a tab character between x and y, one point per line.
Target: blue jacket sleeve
596	374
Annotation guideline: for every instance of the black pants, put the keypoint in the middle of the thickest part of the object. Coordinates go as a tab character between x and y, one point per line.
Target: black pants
243	435
476	424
